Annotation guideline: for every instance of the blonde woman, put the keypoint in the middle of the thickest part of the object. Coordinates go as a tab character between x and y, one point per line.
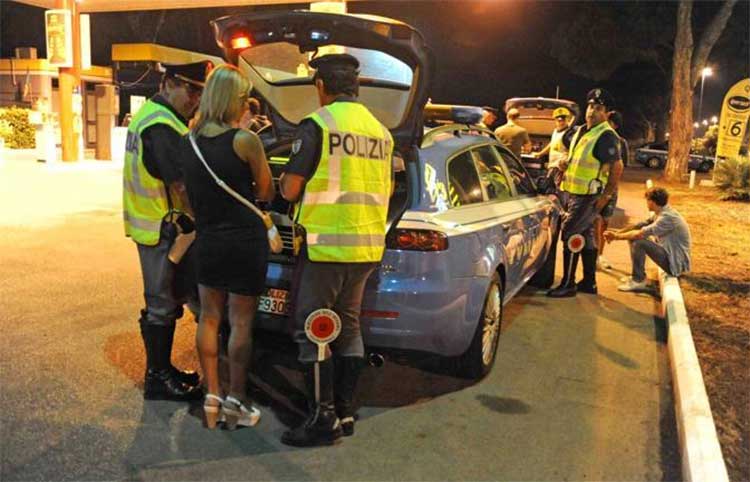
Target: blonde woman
231	244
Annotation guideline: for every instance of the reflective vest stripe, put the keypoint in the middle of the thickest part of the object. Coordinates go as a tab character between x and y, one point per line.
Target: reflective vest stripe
141	223
334	160
584	167
365	198
134	186
345	239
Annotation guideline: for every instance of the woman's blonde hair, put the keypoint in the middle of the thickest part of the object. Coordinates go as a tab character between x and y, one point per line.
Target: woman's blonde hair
227	89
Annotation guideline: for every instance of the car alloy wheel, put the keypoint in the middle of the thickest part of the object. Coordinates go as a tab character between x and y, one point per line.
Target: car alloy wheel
477	360
491	316
654	162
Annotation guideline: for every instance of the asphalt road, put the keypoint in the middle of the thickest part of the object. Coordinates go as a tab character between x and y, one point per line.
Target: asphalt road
580	389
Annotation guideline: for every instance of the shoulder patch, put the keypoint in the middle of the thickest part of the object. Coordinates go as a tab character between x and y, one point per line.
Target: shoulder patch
296	146
612	151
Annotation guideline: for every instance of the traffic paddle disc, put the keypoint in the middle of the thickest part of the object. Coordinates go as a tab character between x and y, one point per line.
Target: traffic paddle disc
322	326
576	243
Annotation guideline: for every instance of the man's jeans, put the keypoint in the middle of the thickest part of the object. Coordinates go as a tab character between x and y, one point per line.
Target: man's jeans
639	249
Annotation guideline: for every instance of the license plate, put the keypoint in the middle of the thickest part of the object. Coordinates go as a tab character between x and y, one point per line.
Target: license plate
274	301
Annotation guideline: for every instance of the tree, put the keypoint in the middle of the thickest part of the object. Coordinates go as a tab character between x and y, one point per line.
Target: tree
687	63
619	45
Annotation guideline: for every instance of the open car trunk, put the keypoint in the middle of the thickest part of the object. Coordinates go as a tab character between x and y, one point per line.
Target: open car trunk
275	49
536	114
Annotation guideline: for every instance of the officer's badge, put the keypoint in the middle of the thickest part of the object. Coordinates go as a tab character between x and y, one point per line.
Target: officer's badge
296	146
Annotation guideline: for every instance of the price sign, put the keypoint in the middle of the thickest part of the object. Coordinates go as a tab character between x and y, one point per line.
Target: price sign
735	112
59	32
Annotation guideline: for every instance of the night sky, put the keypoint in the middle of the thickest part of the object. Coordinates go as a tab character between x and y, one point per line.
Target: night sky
486	51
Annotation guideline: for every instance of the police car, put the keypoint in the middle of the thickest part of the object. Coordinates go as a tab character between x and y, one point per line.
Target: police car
466	226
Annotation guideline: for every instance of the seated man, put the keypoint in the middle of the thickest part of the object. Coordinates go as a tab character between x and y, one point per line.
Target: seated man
671	250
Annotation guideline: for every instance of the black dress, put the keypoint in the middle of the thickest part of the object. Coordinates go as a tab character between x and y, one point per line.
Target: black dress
231	244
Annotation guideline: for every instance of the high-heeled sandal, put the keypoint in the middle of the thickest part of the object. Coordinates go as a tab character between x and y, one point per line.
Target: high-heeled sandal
212	412
236	413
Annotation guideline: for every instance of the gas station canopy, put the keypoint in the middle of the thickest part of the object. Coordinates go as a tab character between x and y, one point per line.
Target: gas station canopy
88	6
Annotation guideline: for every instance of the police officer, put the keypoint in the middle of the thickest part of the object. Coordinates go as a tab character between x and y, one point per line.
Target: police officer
602	220
489	117
591	174
557	149
340	171
154	199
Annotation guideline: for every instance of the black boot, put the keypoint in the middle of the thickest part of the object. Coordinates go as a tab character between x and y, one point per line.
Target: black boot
348	369
588	283
567	286
159	384
322	426
188	377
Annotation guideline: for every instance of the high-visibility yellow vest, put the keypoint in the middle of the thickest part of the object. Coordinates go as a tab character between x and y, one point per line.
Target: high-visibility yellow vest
345	203
557	150
583	166
144	197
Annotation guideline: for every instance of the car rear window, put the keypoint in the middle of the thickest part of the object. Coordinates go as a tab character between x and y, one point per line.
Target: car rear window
491	174
464	186
519	176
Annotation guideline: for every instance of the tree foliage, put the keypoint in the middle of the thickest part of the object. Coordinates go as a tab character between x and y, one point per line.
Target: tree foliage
18	133
594	39
732	177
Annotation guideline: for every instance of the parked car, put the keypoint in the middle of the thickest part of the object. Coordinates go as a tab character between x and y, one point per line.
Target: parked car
536	117
466	226
654	155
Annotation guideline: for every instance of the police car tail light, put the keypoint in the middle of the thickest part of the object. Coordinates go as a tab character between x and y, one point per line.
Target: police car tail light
240	42
417	240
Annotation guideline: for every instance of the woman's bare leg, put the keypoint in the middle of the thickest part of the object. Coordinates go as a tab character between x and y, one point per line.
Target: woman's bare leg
207	336
241	315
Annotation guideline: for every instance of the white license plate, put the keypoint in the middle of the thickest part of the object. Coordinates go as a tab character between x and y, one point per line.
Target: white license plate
274	302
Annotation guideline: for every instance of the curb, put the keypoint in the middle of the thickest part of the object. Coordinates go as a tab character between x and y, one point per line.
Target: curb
699	444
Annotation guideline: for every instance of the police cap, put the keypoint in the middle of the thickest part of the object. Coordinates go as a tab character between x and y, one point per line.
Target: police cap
491	110
335	62
601	97
561	112
194	73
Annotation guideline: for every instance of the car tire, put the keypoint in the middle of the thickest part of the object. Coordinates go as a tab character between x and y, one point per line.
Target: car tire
653	162
478	360
705	166
545	277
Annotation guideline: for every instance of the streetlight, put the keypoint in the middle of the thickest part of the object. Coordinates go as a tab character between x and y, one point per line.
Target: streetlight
696	125
705	122
714	120
706	72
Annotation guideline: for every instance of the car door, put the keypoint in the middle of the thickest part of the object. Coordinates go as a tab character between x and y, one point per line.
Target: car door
536	211
512	229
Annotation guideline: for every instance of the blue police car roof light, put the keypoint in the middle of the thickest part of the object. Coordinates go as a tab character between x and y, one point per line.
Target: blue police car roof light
457	114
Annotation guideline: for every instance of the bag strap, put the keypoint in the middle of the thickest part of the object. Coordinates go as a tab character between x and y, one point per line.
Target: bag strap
221	183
